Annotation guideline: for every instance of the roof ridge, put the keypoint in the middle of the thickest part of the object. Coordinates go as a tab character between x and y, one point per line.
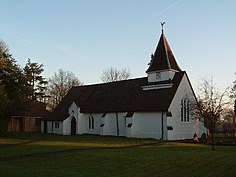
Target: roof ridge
167	55
106	83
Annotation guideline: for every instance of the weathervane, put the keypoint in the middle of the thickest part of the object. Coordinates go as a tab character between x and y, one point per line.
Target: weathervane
162	24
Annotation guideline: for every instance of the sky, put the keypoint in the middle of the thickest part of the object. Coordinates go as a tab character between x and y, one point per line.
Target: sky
88	36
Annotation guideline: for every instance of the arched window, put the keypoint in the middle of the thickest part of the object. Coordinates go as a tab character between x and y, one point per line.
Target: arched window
91	122
185	106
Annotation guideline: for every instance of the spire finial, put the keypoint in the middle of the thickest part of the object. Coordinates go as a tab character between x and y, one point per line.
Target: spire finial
162	24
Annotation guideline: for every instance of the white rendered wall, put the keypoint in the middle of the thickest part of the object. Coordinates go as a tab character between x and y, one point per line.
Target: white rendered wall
82	123
82	120
66	126
182	130
165	75
57	130
144	125
73	112
97	123
102	127
148	125
129	120
122	124
109	121
49	126
52	129
170	132
110	127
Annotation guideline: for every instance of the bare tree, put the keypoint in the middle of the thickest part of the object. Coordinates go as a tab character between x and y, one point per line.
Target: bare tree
113	74
59	85
233	95
228	120
233	99
233	90
209	106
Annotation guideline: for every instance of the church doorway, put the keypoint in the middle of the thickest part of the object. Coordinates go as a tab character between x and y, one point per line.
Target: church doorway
73	126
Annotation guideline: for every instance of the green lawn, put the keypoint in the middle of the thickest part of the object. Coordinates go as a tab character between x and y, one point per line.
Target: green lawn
86	155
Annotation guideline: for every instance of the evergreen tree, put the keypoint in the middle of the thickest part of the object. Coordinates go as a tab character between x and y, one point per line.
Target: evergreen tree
13	88
36	81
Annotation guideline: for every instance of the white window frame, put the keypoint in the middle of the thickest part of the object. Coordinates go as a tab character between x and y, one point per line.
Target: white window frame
57	125
185	109
91	122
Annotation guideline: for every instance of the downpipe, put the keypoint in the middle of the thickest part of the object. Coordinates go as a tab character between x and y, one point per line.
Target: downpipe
117	124
162	126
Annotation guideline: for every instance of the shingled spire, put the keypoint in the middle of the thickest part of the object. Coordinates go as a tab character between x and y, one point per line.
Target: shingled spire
163	58
163	65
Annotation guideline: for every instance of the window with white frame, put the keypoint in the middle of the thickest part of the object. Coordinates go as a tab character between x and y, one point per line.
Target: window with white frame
56	124
91	122
185	106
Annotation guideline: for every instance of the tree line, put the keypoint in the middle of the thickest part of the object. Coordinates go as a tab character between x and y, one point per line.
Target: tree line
20	86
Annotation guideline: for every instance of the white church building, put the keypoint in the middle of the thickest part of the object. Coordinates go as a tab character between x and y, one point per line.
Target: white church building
156	106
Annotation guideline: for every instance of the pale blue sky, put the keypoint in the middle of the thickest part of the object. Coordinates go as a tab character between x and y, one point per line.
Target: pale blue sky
87	36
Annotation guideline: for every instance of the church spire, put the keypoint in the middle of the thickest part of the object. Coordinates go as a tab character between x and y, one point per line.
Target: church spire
162	24
163	58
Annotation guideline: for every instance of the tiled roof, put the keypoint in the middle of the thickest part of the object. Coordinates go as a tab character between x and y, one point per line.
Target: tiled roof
36	109
120	96
163	58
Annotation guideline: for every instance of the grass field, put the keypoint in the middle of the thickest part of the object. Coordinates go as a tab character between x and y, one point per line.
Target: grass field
86	155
